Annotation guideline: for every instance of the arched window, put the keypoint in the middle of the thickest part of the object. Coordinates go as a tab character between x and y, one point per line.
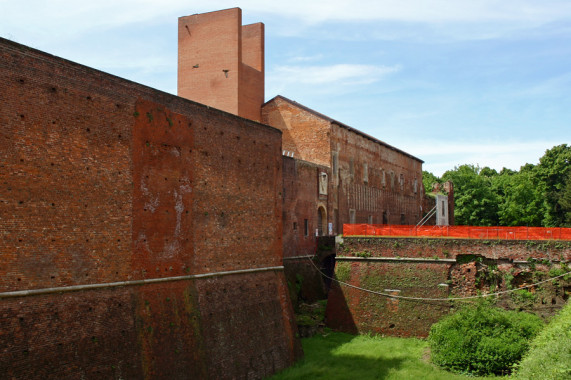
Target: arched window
321	221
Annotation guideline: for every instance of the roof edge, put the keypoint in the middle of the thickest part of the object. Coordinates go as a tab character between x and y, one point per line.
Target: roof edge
343	125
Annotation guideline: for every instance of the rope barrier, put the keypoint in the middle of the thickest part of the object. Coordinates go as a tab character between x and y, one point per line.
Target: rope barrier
433	299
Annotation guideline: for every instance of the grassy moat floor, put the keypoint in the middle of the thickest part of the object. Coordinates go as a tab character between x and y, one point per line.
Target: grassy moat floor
331	355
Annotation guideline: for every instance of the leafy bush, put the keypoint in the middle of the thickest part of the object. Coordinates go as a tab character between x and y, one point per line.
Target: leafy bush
549	356
482	340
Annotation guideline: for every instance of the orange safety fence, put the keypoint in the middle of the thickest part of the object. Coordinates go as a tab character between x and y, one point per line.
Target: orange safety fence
463	232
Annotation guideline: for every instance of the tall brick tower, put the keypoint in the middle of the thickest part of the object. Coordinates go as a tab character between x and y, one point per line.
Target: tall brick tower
221	62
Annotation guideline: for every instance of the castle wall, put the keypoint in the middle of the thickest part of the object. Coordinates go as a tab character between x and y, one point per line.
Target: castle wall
140	231
373	180
301	200
439	269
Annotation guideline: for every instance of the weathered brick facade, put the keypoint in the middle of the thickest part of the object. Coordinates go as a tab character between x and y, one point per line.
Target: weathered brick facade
221	62
438	269
368	181
114	186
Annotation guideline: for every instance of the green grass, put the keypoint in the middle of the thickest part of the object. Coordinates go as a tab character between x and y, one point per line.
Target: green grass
550	355
341	356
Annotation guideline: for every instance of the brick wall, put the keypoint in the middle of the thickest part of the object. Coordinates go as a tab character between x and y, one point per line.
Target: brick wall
440	268
301	200
221	62
107	181
304	133
374	180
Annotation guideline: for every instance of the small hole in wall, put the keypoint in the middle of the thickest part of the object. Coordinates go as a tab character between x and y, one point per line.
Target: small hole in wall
21	160
53	121
21	80
119	136
21	202
468	270
53	204
52	164
88	97
53	89
21	319
22	117
88	130
19	279
52	277
392	326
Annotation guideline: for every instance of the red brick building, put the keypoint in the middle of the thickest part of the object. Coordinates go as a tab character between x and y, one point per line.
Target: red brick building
333	173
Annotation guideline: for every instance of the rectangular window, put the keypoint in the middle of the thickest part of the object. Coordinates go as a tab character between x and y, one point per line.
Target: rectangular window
365	173
295	226
352	216
306	227
443	209
402	219
335	162
370	219
385	218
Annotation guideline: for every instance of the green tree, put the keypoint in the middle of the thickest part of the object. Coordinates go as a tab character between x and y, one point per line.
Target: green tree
565	201
551	176
474	201
519	201
428	179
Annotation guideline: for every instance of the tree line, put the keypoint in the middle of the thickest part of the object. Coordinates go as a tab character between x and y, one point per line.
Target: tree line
536	195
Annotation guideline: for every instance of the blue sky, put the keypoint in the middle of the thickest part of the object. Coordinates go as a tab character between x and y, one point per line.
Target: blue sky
483	82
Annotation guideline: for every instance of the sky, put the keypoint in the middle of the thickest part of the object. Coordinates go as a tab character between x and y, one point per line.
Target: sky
452	82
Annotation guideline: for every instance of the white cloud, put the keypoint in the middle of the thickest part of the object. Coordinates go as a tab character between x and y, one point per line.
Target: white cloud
64	18
341	74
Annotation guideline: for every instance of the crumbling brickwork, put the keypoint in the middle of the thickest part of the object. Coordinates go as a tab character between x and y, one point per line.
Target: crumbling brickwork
105	182
438	269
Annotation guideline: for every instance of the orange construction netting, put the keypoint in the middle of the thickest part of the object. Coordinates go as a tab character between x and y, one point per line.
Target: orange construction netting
464	232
